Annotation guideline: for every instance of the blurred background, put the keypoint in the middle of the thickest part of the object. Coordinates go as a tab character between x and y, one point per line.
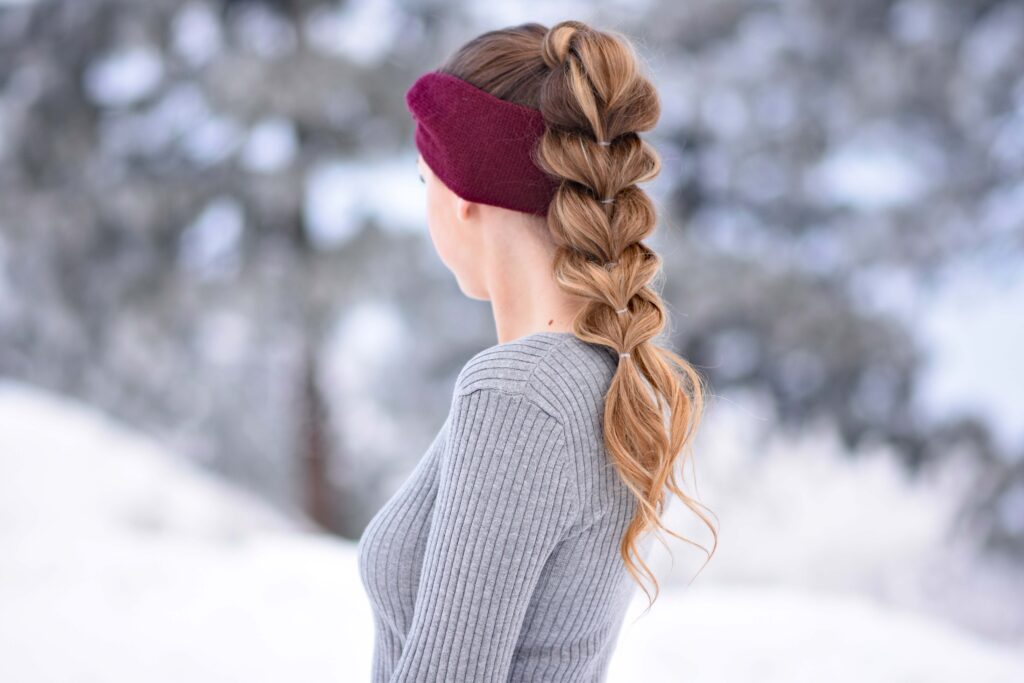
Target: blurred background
226	339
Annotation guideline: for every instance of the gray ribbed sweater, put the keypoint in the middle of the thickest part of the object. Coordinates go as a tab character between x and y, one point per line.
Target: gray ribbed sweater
498	558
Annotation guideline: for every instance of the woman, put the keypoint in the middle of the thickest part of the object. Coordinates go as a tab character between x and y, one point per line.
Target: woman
510	552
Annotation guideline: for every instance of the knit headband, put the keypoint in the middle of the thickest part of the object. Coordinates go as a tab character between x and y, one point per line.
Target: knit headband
479	145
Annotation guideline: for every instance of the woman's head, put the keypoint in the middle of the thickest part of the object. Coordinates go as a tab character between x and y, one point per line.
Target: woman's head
448	220
472	239
595	101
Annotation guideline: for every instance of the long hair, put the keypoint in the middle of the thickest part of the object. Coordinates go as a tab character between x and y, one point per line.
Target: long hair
589	87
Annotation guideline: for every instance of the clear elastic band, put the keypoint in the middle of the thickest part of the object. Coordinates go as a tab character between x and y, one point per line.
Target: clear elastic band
608	200
623	355
621	310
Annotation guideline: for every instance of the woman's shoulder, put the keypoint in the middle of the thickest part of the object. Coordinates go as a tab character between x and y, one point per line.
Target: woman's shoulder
557	371
508	366
563	381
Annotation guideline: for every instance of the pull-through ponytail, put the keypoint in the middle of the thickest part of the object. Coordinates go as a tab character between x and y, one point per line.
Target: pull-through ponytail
596	102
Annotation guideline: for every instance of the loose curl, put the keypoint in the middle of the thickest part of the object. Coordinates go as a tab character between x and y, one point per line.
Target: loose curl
588	86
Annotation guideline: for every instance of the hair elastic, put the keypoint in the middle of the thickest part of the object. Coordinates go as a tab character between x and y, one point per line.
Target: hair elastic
604	143
623	355
621	310
608	200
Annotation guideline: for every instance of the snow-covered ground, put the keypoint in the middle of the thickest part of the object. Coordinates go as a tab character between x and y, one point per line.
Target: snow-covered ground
119	563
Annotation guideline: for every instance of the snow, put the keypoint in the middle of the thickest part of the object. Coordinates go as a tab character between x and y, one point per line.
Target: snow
511	12
181	117
971	350
196	34
272	145
1002	208
10	304
959	321
341	194
796	503
134	567
918	22
679	90
124	76
119	562
363	31
211	245
213	140
153	129
1012	510
871	172
962	321
995	43
800	510
263	30
222	337
724	112
728	634
357	350
370	335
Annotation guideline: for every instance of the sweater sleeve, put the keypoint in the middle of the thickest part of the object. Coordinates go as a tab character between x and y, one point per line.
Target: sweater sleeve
505	498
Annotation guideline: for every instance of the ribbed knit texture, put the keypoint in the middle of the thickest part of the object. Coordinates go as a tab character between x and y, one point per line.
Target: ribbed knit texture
479	145
498	558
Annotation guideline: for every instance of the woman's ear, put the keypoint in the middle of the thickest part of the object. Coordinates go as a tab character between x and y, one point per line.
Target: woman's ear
463	208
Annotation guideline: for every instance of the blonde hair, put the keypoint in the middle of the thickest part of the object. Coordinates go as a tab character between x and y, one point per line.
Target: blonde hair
594	99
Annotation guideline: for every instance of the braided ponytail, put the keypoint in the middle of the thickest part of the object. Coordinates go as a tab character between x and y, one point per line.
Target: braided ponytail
595	102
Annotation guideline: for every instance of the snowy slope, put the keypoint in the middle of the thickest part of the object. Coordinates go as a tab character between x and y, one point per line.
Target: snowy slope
119	563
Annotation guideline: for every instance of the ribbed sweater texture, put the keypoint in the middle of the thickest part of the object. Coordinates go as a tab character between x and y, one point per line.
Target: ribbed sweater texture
498	557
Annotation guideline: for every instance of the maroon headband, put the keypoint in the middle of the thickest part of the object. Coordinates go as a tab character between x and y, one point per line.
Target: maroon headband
480	145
